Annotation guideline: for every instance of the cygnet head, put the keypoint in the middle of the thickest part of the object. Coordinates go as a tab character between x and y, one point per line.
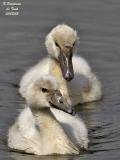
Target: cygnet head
44	93
61	43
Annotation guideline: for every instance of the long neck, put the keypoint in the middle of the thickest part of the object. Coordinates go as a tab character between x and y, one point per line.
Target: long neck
51	133
55	70
43	117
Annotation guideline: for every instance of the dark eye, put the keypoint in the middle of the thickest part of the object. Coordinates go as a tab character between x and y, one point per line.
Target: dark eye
56	44
44	90
74	44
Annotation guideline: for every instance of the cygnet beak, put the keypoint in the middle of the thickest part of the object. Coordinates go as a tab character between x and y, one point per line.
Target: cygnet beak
65	60
59	102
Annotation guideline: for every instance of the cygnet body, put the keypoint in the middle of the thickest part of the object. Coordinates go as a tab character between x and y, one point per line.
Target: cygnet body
78	83
41	128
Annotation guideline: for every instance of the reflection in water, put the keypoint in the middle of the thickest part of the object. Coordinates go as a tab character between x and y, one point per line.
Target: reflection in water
17	156
103	132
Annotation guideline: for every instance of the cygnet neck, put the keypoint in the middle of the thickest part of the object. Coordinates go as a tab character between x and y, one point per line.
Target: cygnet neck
44	118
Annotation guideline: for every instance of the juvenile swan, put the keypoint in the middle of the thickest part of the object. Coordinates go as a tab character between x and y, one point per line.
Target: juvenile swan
41	129
78	83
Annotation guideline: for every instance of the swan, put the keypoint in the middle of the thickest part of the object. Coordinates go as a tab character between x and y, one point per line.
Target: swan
78	83
45	126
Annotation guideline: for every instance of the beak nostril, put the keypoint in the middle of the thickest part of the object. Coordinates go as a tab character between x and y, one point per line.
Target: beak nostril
60	101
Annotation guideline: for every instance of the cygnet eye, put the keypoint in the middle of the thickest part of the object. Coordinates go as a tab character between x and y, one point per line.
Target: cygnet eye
74	44
44	90
56	44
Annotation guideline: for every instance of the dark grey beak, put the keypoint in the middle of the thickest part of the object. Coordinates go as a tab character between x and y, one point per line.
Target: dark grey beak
58	102
66	65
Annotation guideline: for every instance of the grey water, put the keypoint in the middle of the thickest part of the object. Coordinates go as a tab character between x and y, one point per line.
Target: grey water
22	45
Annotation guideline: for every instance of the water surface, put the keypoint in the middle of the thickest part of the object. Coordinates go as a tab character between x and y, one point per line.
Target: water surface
22	44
